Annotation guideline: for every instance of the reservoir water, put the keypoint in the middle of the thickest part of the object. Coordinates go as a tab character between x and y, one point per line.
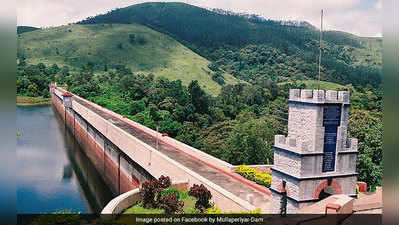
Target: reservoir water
53	173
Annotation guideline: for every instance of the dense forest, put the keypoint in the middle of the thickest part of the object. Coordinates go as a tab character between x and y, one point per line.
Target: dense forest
239	123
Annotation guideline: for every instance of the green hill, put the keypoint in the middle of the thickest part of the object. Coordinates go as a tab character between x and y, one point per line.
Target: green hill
253	48
23	29
103	46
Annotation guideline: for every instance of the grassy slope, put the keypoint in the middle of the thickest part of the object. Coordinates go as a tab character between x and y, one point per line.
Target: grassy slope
76	45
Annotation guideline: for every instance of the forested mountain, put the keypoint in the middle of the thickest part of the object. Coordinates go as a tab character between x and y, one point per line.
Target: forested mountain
252	48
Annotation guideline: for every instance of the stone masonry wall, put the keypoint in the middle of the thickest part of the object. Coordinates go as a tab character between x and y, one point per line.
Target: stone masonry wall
301	152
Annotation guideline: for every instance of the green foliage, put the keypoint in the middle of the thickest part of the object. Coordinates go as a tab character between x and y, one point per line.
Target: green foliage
138	209
32	100
169	191
198	97
33	90
367	127
183	195
252	174
136	107
251	140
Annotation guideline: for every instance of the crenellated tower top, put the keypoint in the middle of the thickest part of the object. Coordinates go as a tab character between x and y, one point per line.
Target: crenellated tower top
316	148
319	96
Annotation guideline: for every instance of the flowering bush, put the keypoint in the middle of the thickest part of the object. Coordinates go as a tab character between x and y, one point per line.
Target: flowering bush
252	174
214	210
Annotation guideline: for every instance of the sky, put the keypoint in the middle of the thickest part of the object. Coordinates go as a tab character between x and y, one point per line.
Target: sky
359	17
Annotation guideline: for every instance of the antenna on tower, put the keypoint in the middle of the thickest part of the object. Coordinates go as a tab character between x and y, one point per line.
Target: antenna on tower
320	47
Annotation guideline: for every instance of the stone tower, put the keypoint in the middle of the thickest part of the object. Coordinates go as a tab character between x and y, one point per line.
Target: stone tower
316	158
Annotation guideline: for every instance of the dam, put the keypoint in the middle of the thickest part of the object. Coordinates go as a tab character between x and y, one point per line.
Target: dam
127	154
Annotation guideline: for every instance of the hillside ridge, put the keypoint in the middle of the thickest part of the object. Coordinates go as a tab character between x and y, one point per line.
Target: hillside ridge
105	46
230	41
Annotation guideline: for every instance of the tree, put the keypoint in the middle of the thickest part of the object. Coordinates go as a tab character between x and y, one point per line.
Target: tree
132	38
198	97
33	91
251	140
136	107
367	127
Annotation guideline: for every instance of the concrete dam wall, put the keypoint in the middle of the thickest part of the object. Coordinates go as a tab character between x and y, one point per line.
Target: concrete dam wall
119	171
127	154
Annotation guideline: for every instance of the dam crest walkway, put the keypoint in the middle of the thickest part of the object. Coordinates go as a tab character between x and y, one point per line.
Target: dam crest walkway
233	183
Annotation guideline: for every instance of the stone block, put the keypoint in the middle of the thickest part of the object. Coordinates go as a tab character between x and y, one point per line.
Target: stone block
305	146
306	94
351	144
295	94
343	96
331	96
292	142
279	140
318	95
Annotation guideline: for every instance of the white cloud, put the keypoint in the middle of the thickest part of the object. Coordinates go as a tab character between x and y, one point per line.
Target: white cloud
361	17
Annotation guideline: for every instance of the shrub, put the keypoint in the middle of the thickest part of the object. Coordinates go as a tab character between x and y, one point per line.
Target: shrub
183	194
132	38
164	182
170	191
141	40
171	204
148	191
203	195
252	174
151	191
